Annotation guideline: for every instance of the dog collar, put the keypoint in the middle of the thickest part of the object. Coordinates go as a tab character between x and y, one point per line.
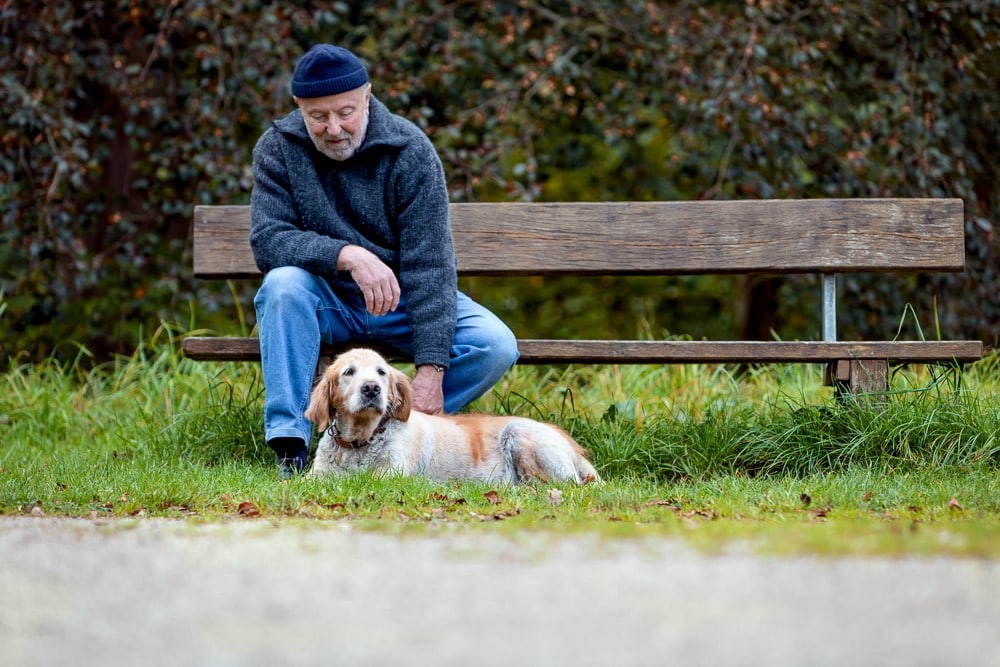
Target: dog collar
354	444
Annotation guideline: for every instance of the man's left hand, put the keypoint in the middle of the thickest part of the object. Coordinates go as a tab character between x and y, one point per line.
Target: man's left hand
428	395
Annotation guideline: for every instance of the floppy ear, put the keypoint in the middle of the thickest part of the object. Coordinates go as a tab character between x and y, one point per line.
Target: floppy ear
401	396
324	400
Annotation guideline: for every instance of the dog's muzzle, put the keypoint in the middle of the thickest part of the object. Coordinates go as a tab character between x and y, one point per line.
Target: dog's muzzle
371	395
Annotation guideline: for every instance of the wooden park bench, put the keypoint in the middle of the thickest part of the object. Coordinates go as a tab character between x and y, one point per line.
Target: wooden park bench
821	236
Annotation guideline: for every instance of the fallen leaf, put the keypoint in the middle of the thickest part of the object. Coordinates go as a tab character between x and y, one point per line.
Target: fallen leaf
953	504
821	512
247	508
867	497
493	497
555	497
805	499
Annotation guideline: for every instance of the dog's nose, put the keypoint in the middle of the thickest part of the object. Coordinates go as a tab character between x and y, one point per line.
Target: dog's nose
370	389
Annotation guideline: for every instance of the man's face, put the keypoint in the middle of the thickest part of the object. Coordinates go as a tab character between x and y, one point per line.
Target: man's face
337	123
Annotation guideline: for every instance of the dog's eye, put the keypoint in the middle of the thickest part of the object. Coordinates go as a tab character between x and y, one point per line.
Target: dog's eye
348	371
382	371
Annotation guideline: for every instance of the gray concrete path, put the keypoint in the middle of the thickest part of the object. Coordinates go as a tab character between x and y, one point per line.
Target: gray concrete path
155	592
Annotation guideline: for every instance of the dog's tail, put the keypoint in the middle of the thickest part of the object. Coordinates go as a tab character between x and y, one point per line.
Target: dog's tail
585	471
545	452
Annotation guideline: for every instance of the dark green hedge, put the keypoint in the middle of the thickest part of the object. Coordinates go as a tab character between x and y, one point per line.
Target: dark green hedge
120	116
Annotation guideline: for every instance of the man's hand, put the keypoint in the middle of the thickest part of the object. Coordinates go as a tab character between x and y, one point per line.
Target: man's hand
377	281
428	396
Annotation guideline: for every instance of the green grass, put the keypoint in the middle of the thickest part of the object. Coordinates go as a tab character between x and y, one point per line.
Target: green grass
771	460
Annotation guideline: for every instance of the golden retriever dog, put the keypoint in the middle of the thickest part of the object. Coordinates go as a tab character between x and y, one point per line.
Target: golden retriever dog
363	405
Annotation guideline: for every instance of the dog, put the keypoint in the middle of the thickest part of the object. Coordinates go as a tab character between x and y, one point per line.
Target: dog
364	407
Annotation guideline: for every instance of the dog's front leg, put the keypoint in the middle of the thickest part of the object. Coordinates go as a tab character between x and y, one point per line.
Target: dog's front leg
325	462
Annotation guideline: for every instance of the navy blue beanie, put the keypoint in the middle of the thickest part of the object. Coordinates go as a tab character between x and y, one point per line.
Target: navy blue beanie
327	70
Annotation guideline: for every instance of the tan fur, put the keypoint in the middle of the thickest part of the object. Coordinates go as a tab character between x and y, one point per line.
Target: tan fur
473	426
366	408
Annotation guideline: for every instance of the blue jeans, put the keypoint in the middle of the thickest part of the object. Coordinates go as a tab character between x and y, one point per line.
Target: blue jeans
297	310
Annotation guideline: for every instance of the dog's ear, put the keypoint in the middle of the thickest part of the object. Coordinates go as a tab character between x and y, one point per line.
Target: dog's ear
401	396
323	402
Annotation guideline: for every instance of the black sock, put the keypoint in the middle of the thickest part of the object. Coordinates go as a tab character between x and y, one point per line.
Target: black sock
287	447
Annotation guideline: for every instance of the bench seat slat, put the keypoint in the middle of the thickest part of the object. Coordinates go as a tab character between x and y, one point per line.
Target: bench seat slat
541	351
660	238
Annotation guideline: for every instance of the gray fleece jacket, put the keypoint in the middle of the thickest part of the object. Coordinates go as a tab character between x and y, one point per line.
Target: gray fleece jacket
390	197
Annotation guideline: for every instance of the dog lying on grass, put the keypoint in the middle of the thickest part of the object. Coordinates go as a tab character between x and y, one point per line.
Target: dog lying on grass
363	405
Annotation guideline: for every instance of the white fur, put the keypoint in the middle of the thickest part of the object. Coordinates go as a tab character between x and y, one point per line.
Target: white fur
364	407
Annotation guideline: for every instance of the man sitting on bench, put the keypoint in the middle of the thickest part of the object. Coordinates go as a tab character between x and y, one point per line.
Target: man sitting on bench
350	225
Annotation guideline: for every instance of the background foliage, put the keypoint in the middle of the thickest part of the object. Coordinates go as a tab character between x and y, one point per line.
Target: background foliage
121	115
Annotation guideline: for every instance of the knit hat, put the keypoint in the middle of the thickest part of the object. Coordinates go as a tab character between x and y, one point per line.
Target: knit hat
327	70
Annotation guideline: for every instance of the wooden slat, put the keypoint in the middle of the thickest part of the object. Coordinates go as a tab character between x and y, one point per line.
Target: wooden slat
222	242
639	238
752	236
535	352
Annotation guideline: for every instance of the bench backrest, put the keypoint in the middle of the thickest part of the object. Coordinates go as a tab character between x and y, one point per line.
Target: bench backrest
661	238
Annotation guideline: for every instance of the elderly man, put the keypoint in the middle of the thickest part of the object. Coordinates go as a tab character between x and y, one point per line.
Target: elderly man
349	223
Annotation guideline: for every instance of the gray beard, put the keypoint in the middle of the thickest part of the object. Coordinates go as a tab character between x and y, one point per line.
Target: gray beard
343	151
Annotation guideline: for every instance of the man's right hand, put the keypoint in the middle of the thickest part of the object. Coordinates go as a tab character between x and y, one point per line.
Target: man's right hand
377	281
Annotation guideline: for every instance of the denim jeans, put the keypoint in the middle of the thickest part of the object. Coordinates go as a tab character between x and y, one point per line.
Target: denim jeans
297	310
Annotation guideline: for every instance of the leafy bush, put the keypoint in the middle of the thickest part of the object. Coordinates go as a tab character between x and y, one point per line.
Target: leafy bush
121	116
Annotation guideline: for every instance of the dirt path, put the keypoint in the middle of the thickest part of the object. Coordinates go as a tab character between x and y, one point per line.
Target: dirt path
170	593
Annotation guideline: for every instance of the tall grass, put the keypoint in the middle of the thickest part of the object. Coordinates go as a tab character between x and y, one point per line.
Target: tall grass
158	433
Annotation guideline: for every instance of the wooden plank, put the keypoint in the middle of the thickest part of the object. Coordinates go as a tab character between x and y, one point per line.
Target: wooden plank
662	238
654	352
226	348
750	236
867	376
222	242
658	352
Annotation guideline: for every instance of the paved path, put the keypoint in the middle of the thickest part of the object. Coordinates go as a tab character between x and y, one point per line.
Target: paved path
157	592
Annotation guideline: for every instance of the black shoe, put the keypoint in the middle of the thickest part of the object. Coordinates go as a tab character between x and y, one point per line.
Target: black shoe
293	455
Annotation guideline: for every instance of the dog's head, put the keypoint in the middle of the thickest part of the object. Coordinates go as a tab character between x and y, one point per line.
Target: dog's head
360	386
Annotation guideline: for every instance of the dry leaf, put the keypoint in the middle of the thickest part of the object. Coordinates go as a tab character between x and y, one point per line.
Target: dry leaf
672	504
555	497
493	497
805	499
821	512
953	504
247	508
